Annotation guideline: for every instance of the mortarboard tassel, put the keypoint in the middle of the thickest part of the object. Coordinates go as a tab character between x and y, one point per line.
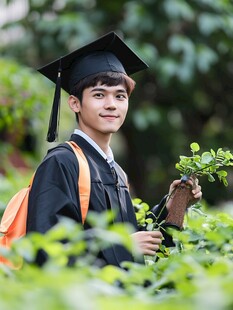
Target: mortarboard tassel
55	113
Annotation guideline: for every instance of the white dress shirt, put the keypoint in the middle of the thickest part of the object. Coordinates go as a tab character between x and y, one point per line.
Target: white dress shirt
108	157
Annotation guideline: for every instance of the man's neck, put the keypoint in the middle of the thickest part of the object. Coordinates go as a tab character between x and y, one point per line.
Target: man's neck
102	140
103	144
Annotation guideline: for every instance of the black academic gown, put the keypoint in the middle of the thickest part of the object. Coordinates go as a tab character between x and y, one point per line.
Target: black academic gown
54	193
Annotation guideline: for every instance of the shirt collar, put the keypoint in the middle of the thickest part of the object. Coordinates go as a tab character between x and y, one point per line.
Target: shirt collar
109	157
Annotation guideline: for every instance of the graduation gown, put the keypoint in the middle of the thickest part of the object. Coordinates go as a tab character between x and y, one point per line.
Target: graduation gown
54	193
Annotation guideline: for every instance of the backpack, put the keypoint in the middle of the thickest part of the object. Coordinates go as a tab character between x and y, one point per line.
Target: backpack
13	222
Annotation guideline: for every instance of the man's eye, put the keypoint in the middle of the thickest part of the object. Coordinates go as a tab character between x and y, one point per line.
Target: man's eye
98	95
122	96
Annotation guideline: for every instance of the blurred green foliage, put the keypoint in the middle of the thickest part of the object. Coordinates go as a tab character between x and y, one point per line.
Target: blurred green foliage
22	98
186	95
196	274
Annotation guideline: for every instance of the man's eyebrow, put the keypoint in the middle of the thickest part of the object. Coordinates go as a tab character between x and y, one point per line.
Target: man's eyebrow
122	90
98	89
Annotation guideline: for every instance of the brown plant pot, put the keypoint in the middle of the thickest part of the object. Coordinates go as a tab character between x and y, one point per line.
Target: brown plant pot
181	199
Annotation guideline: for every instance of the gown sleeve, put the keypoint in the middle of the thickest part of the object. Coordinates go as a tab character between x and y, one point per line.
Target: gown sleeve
160	211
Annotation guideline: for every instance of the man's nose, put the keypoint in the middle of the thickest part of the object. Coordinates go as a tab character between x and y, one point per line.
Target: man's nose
110	102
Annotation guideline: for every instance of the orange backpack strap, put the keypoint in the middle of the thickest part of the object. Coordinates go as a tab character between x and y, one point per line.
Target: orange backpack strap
84	179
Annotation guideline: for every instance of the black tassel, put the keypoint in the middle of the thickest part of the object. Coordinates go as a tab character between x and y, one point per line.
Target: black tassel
55	113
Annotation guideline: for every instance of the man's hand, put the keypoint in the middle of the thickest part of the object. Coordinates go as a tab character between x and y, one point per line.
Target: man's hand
196	190
148	242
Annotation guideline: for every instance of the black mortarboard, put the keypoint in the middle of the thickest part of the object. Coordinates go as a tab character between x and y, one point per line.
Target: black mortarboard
108	53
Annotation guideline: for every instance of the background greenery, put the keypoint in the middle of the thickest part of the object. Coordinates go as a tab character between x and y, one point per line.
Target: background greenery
185	96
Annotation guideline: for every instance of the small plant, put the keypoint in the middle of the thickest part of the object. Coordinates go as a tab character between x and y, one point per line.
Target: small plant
208	163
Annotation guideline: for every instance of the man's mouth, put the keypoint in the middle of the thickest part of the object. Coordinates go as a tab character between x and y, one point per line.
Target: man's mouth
109	116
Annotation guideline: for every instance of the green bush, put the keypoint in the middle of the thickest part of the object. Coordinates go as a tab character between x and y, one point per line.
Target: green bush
195	274
22	97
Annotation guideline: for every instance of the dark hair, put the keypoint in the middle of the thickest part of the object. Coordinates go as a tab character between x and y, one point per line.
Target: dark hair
105	78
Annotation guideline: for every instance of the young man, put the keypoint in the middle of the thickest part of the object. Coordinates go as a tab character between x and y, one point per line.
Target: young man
96	77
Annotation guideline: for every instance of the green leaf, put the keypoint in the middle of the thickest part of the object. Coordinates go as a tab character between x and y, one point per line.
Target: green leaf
150	226
210	178
149	221
222	173
224	180
213	153
206	158
195	147
110	274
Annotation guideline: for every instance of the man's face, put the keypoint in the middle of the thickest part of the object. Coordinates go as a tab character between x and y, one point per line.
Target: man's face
103	110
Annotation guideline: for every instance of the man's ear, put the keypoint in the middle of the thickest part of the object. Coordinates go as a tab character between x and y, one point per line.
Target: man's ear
74	103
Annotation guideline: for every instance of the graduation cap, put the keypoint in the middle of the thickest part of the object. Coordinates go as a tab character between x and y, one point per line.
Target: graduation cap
106	54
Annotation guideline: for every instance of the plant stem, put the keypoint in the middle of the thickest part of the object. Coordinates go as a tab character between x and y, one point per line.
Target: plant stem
201	169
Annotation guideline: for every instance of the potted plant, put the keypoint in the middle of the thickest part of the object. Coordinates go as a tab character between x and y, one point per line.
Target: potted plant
208	164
